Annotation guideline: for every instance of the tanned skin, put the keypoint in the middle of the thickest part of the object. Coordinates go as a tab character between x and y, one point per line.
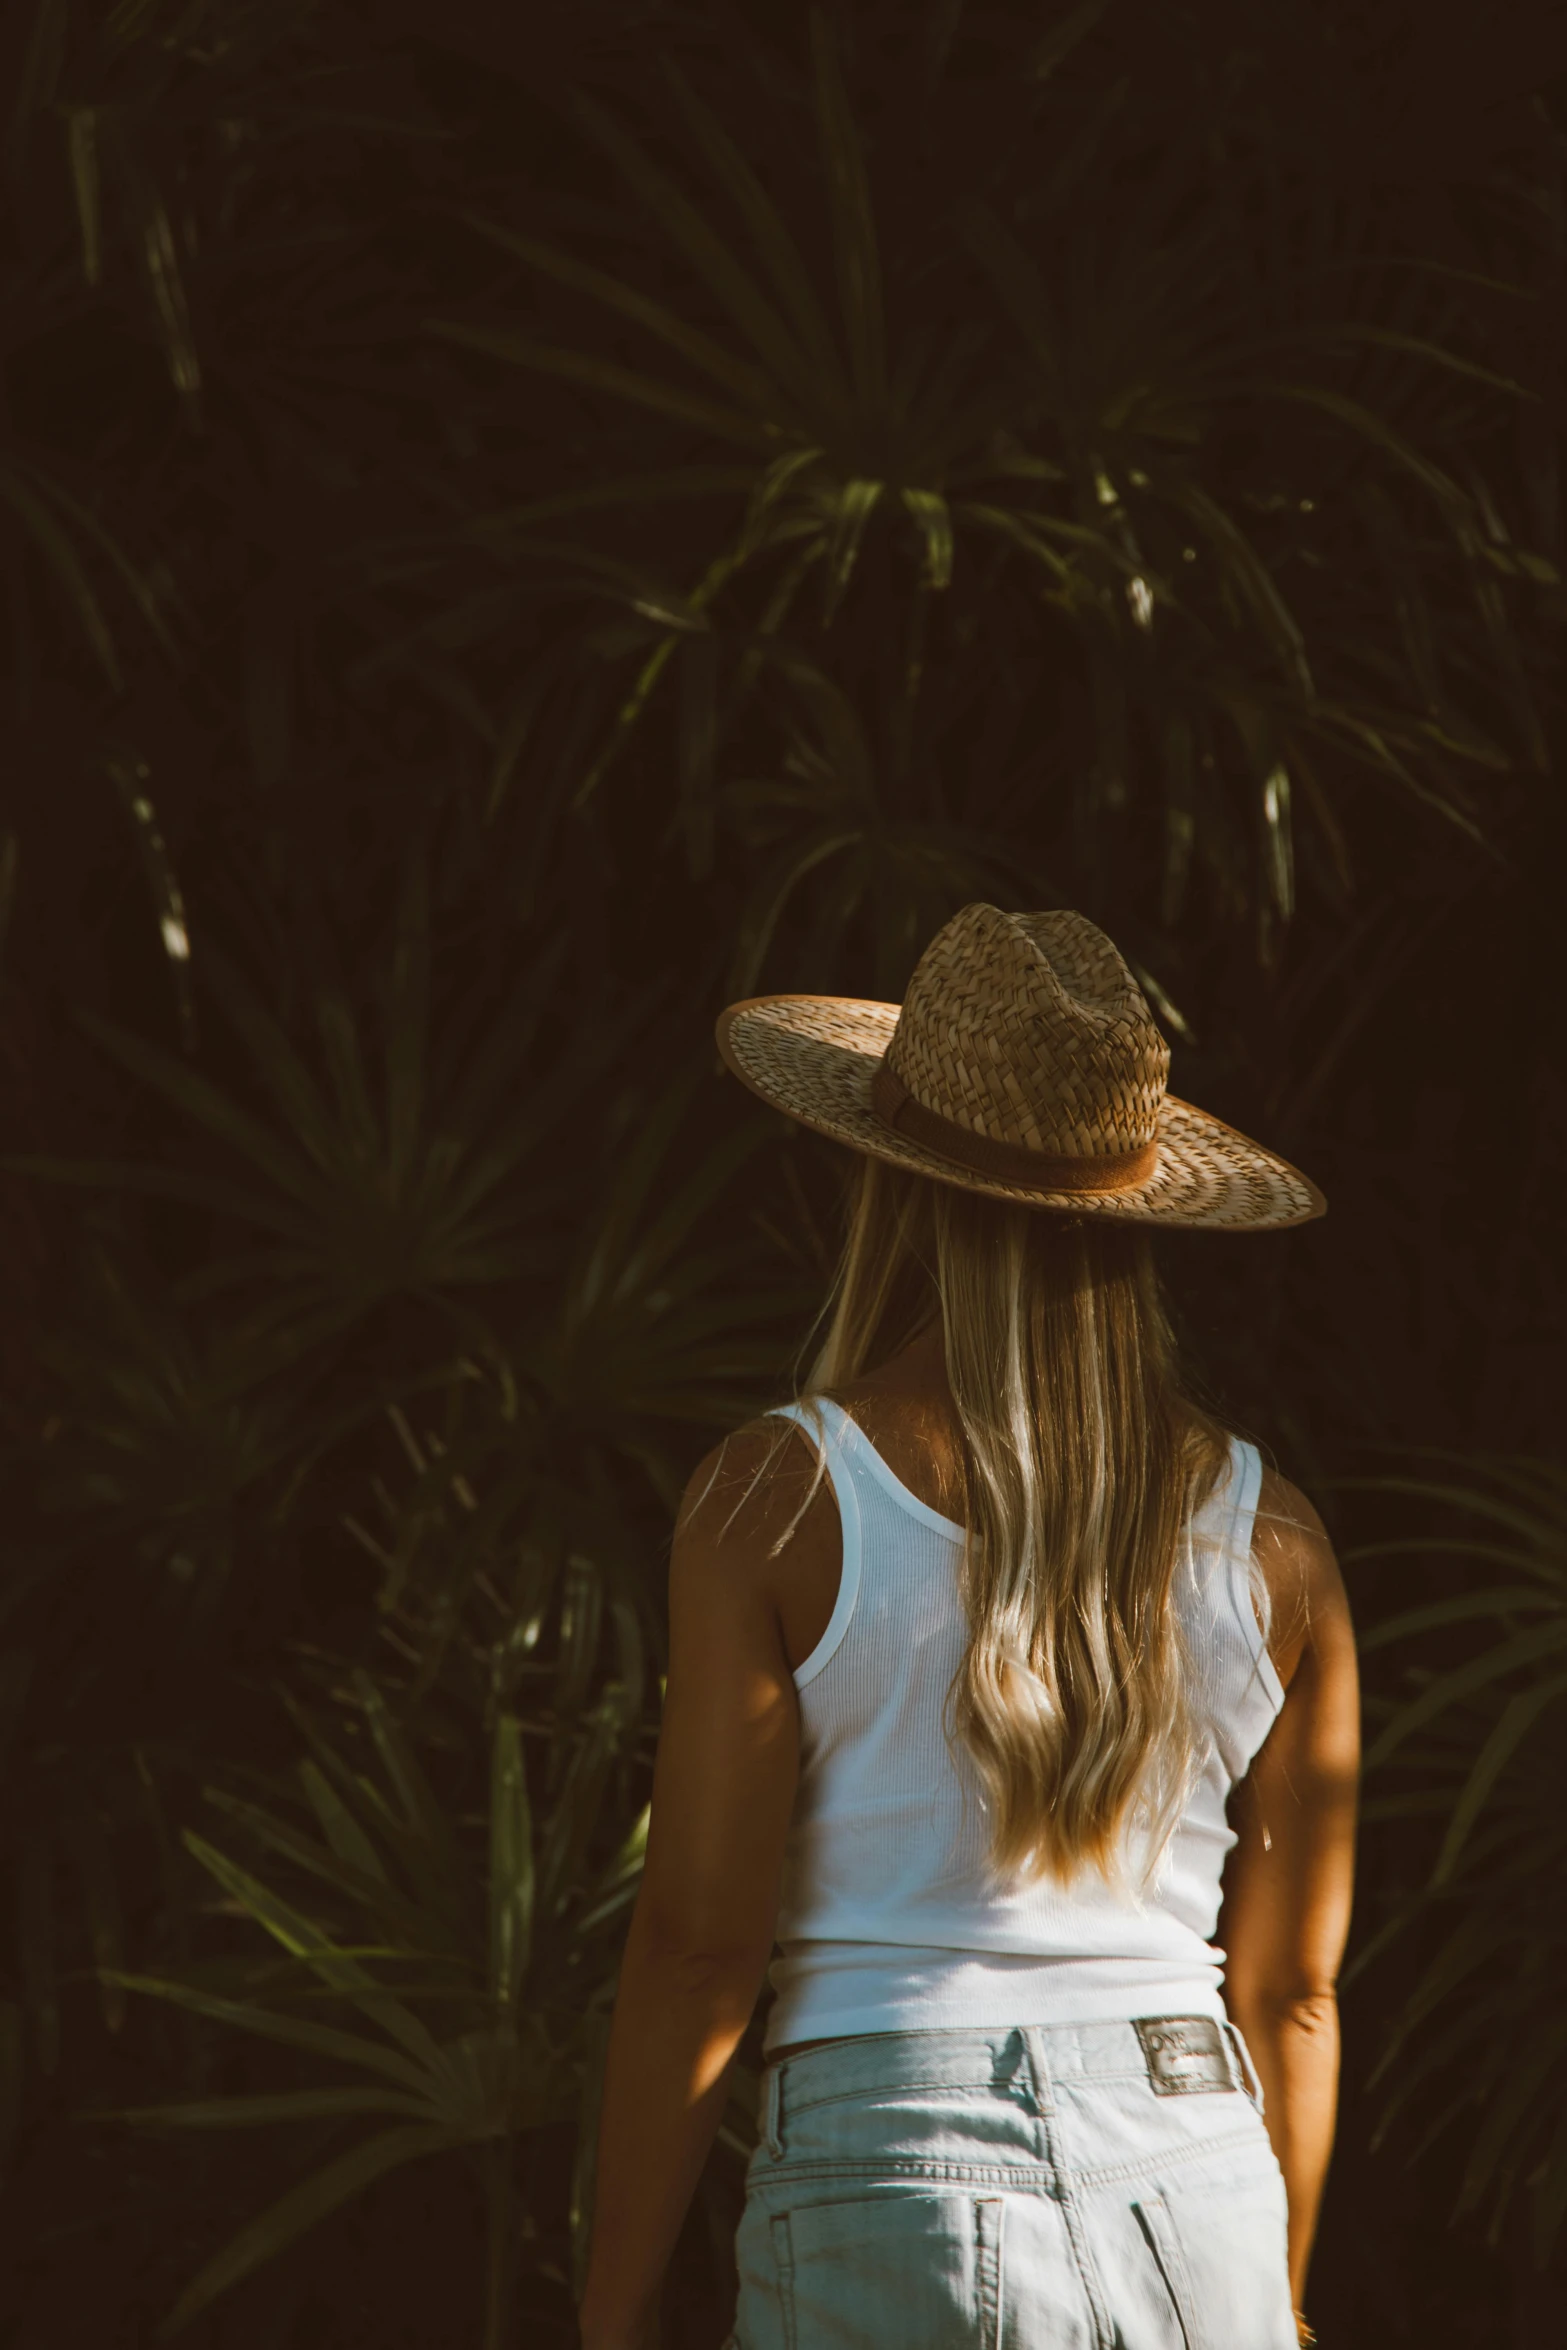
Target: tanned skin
741	1621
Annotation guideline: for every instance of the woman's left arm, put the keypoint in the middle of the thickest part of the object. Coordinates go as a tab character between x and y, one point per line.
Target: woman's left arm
702	1930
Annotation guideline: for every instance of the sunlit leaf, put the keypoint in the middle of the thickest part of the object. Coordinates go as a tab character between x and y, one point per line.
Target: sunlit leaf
293	2032
304	1939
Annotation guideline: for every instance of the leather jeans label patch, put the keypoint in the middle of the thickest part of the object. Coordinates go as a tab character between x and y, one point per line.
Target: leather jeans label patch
1185	2054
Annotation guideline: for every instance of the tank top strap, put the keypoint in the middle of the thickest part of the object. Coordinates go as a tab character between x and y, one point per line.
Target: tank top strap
1244	1494
826	1426
832	1435
1236	1670
828	1429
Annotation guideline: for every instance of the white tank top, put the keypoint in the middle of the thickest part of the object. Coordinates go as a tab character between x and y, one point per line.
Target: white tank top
888	1920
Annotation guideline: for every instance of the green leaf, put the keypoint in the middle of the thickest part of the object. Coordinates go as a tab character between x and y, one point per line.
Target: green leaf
1518	1718
697	749
933	520
626	718
267	2024
295	2213
853	221
439	1858
1252	575
1004	524
704	354
583	2169
289	2105
856	502
1472	1945
81	148
137	586
160	263
511	1864
768	904
393	1916
55	547
1278	835
1449	1546
39	77
1528	2094
786	364
1375	429
672	483
574	1818
203	1102
89	1849
1344	333
1512	1599
338	1824
304	1939
771	238
600	375
152	1182
1526	1648
617	1887
1011	271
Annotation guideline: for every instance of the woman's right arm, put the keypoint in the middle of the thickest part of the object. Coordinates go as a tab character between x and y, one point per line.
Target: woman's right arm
1288	1880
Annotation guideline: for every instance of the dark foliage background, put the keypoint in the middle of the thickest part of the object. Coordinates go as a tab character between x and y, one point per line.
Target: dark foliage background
514	532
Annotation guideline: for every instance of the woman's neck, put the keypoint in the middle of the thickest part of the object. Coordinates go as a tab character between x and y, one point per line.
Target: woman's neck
905	1407
916	1370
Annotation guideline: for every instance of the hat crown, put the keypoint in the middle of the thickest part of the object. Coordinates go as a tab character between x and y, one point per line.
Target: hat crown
1029	1029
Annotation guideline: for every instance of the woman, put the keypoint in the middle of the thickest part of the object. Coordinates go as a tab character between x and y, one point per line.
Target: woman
972	1651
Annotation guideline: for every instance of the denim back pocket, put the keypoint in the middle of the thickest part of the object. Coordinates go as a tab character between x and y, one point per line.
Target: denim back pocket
1222	2254
921	2271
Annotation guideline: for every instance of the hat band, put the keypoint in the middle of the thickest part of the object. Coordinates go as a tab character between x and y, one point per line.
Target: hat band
1006	1162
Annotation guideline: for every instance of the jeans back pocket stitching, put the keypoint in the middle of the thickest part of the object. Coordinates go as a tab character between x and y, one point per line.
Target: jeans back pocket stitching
1158	2224
990	2213
783	2269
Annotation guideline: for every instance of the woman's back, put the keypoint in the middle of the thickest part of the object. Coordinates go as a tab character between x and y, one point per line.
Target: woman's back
889	1918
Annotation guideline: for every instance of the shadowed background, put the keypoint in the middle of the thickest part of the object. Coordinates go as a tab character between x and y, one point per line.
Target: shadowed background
518	532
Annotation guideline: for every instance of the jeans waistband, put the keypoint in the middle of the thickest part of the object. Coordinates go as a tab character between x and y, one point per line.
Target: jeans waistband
1174	2054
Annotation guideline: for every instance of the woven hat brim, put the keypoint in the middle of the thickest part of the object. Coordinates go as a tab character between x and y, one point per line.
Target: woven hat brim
813	1057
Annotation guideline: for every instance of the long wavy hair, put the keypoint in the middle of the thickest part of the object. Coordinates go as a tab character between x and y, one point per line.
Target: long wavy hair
1083	1460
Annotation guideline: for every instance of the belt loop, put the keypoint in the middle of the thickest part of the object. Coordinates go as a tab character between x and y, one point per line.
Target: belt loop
772	2111
1038	2069
1249	2081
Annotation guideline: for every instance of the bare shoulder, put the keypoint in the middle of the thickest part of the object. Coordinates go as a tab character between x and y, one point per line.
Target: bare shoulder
759	1493
1291	1547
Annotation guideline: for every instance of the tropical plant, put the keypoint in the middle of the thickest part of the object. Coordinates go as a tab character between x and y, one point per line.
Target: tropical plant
450	1992
1476	1750
397	1166
512	536
1061	462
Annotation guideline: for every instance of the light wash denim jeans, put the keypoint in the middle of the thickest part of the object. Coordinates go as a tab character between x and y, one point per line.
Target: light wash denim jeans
1103	2186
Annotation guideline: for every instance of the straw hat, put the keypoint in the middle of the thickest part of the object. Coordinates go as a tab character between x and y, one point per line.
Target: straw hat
1024	1063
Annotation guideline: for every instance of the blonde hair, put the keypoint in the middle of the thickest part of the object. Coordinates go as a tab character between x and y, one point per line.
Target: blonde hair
1082	1462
